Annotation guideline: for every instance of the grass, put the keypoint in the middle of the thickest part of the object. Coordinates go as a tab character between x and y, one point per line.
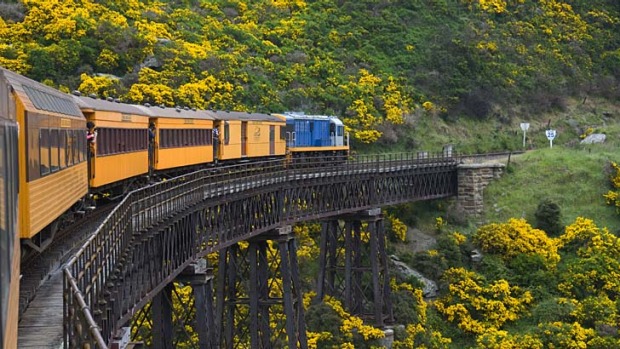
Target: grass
575	179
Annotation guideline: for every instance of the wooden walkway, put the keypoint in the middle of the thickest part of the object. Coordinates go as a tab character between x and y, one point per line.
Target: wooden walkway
41	324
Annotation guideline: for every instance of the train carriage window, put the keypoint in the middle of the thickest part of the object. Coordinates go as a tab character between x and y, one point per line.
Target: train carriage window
141	139
129	140
283	132
62	146
135	141
76	146
81	141
208	136
140	136
226	133
54	150
144	137
110	143
101	140
171	139
118	141
126	140
163	138
69	148
44	151
116	137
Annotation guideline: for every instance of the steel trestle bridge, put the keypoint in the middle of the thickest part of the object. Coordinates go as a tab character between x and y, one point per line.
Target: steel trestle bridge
156	233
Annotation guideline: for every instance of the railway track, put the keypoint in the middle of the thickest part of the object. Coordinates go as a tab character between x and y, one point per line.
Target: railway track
37	268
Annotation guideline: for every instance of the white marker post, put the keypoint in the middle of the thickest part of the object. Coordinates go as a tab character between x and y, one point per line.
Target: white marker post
524	127
550	136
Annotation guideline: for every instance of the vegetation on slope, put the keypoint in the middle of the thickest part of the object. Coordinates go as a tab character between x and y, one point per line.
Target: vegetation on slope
373	62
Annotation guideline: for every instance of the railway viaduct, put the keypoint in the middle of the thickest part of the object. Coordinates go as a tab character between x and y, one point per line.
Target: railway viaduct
161	234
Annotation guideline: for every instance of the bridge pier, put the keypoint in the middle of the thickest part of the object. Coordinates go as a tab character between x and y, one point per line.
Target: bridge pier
200	278
161	312
472	180
345	276
247	292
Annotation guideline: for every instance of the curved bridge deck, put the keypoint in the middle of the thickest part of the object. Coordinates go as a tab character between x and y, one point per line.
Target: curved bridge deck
155	232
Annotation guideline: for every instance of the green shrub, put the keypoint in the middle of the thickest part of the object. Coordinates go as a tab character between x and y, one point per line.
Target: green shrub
548	217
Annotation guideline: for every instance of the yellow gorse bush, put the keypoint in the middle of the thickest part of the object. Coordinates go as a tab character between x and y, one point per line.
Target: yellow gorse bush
351	324
476	306
611	198
419	332
597	271
398	227
517	237
498	339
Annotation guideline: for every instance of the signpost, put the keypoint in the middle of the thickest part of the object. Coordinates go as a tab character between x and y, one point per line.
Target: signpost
524	127
550	136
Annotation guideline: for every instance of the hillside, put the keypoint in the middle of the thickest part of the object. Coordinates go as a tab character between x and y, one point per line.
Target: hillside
378	64
555	285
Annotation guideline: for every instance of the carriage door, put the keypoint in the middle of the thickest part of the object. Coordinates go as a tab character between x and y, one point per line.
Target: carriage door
272	140
244	138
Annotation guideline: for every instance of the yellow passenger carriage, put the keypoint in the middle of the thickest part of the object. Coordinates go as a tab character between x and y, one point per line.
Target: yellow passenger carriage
9	233
52	159
182	137
119	155
244	135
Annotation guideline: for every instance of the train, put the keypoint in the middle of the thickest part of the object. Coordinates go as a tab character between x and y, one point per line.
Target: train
60	153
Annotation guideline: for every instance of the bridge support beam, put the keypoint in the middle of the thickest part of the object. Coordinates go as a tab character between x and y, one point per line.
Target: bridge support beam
345	275
200	278
161	312
248	294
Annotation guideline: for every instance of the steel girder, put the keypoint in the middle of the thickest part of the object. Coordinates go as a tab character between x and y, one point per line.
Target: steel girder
252	306
353	265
